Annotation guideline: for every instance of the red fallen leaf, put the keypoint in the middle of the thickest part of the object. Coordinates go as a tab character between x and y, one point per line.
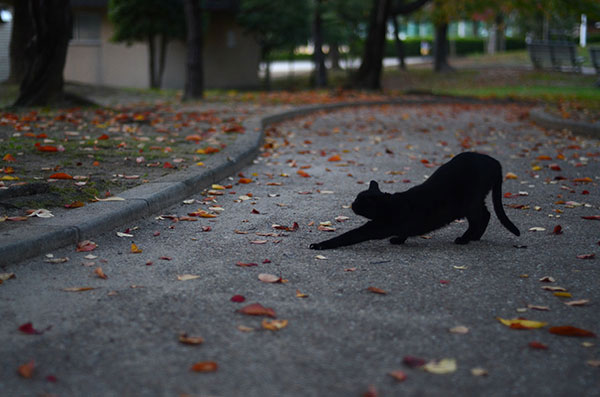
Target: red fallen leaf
567	330
238	298
555	167
592	217
303	174
372	392
28	329
256	309
75	204
245	181
413	362
242	264
538	345
585	192
165	258
586	256
60	175
335	157
444	281
266	261
41	136
168	165
26	370
292	228
543	157
103	137
376	290
155	234
51	378
86	246
47	148
255	211
399	375
557	229
204	366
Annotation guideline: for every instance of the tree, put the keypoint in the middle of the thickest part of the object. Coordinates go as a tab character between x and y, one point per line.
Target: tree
319	56
45	54
276	25
19	37
194	81
369	73
148	21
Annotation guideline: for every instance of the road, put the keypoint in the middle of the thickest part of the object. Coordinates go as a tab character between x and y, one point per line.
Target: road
341	339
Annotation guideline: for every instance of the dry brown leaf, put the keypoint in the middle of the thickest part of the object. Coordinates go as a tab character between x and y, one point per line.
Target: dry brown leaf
459	329
100	273
398	375
579	302
190	340
26	370
204	366
274	325
78	289
186	277
377	290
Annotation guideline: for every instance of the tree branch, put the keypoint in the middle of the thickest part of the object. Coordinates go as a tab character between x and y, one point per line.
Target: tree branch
399	7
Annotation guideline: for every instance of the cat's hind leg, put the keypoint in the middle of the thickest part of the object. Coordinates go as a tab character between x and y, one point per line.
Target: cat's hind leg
478	218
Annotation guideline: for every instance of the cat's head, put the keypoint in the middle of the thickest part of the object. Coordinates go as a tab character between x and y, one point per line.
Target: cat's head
368	202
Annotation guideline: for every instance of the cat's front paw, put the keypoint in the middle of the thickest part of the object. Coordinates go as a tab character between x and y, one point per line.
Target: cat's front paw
461	241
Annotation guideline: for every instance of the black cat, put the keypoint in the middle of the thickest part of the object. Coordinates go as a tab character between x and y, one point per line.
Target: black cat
455	190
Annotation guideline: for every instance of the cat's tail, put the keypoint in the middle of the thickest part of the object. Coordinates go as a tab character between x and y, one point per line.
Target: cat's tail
499	209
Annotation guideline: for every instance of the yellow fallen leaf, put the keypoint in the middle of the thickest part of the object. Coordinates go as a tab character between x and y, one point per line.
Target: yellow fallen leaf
186	277
443	366
521	323
274	325
135	249
477	371
510	175
300	294
113	198
6	276
563	294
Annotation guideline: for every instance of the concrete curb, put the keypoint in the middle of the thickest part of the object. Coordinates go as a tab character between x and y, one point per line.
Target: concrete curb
589	130
27	240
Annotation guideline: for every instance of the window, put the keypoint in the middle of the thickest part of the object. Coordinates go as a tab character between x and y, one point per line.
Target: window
87	27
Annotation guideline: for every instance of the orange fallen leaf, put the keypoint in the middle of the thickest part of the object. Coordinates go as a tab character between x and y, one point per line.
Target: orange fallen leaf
538	345
303	174
78	289
567	330
245	181
256	309
274	325
75	204
86	246
208	150
300	294
204	366
193	137
335	157
26	370
587	179
377	290
100	273
521	323
9	158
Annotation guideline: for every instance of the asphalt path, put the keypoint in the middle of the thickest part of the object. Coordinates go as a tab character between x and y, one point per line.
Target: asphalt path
341	339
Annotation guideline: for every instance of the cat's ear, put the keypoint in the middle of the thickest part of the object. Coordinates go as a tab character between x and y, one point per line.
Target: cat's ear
374	187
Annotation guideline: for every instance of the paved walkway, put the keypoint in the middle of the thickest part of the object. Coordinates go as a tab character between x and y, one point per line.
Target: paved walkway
121	337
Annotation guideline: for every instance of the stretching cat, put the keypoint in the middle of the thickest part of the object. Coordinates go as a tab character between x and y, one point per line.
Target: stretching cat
455	190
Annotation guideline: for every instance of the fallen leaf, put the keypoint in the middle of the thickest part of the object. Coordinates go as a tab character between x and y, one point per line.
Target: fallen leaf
554	288
86	246
510	175
204	366
186	277
303	174
268	278
592	217
41	213
300	294
536	229
135	249
478	371
190	340
586	256
321	257
376	290
244	328
521	323
460	329
60	175
593	363
113	198
567	330
78	289
579	302
547	279
563	294
537	307
6	276
398	375
413	362
75	204
238	298
28	329
100	273
242	264
274	325
56	260
557	230
443	366
121	234
335	157
538	345
26	370
256	309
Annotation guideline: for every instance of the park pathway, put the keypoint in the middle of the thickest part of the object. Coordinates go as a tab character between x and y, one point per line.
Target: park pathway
352	315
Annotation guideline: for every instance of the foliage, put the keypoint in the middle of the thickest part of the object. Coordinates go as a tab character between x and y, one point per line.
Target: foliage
137	20
276	24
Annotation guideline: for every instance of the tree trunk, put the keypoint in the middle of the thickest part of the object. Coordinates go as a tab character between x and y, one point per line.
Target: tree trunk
22	26
194	85
334	56
440	48
46	52
319	57
369	72
152	61
162	56
399	44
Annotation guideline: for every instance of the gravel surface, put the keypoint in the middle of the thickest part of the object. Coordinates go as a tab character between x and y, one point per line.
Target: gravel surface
121	338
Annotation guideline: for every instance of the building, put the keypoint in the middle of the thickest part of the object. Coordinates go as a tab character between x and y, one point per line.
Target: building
231	57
